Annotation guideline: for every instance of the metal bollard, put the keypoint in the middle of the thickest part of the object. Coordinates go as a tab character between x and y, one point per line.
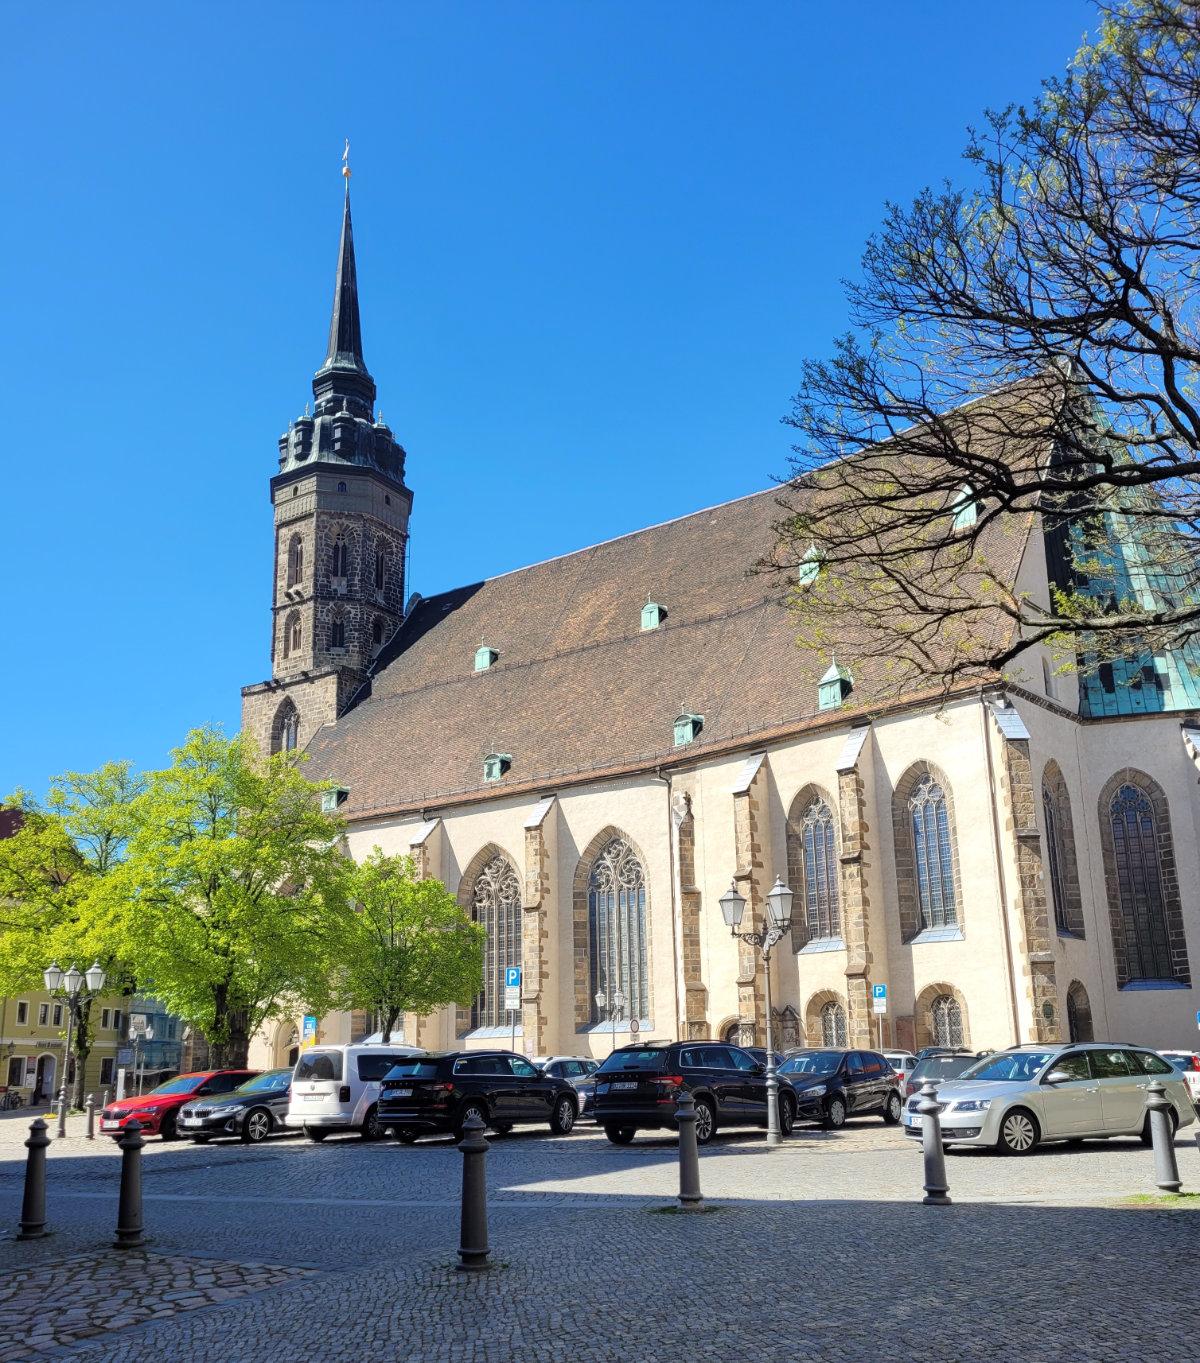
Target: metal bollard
1166	1168
129	1211
62	1113
104	1093
33	1204
690	1198
937	1190
473	1228
89	1104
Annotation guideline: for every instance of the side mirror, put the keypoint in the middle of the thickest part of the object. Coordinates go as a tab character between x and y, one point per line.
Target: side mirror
1057	1077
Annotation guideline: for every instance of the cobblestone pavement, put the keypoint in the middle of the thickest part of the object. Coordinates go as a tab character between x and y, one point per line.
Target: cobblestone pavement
820	1250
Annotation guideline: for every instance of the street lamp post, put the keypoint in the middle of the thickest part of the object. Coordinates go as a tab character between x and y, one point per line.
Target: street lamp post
614	1003
77	989
777	925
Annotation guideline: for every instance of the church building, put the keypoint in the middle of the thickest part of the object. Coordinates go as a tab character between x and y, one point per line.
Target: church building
592	750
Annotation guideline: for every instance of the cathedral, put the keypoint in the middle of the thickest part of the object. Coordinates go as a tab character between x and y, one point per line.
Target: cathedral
593	750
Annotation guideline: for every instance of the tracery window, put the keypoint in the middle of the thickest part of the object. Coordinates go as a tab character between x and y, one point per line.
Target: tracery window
1079	1014
338	557
380	567
286	736
833	1025
1141	902
1054	858
933	855
295	568
337	632
617	932
946	1021
292	635
819	864
496	903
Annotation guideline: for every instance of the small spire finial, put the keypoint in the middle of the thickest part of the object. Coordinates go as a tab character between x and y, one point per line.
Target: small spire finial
346	164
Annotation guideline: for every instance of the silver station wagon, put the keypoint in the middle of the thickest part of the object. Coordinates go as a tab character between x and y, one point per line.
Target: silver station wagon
1016	1099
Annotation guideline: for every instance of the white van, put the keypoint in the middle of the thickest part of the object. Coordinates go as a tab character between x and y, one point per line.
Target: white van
334	1088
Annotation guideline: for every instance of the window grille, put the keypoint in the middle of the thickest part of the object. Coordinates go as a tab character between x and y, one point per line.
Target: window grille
497	906
822	910
617	932
947	1029
933	855
833	1025
1141	901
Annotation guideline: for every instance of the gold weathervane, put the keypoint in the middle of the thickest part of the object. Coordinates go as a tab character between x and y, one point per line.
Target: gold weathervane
346	163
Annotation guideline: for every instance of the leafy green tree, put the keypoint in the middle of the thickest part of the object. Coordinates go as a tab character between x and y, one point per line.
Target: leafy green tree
405	945
52	873
229	884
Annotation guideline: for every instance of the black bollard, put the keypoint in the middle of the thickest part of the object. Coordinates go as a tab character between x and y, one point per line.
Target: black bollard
473	1226
690	1198
129	1212
937	1190
1166	1168
33	1204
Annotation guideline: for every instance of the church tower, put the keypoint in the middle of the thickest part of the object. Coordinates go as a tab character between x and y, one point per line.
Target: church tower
341	530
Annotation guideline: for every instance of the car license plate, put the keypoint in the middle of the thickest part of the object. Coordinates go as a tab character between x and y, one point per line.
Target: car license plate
189	1121
311	1097
400	1093
913	1118
623	1086
109	1126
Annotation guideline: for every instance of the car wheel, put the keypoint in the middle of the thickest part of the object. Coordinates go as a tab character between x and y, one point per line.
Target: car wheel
314	1133
892	1109
404	1137
167	1129
469	1111
835	1114
620	1135
1172	1123
1019	1132
372	1130
787	1115
257	1126
562	1119
706	1121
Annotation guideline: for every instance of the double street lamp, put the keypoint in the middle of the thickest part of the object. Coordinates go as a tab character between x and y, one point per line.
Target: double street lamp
614	1003
777	925
70	985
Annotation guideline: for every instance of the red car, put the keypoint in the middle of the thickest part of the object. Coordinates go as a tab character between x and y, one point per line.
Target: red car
158	1109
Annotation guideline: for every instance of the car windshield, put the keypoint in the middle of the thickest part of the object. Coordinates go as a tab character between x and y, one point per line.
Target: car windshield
188	1083
266	1083
1008	1067
814	1062
320	1065
413	1069
634	1060
942	1067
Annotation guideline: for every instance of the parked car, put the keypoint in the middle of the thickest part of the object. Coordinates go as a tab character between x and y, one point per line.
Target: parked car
158	1110
1018	1098
577	1070
927	1051
1188	1064
903	1062
759	1053
335	1088
833	1084
252	1111
939	1068
441	1091
637	1088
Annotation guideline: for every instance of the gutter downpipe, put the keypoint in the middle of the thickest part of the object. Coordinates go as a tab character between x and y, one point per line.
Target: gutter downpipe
676	925
997	846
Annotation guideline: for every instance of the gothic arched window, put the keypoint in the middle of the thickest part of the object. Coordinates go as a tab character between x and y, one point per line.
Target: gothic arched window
496	902
1079	1013
380	567
295	568
339	557
337	632
933	855
946	1021
819	871
833	1025
1141	903
616	896
292	635
377	630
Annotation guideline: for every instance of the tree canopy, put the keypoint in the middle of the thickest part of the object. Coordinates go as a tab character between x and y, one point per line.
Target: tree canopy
1064	279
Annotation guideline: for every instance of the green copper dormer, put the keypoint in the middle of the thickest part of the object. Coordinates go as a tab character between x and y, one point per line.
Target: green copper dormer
687	729
495	764
834	687
652	615
485	657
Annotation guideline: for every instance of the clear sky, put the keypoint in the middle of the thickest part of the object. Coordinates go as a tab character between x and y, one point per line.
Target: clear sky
595	242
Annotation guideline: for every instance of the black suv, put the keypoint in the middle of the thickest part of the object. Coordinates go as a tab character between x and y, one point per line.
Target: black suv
441	1090
831	1085
638	1086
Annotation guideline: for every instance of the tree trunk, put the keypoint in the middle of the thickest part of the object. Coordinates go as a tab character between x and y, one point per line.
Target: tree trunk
389	1021
81	1047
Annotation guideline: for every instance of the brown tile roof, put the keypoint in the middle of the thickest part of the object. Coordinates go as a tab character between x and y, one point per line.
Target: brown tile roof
578	687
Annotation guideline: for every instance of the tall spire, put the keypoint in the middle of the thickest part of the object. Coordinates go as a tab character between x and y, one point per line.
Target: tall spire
344	373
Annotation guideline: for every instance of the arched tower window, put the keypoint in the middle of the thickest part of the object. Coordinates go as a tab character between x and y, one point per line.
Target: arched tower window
285	731
617	932
813	863
833	1025
380	567
292	634
496	904
1141	902
1079	1013
932	854
339	557
295	566
1062	871
337	632
946	1021
377	631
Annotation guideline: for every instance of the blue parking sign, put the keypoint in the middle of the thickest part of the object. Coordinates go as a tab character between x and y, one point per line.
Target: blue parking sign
879	991
512	977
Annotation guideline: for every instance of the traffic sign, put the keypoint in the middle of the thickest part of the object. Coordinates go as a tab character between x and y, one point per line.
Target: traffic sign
879	997
634	1026
512	988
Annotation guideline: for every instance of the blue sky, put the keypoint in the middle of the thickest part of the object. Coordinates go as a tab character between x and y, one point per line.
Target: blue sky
594	244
